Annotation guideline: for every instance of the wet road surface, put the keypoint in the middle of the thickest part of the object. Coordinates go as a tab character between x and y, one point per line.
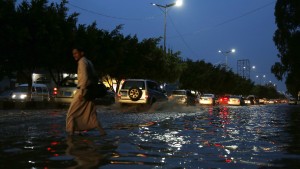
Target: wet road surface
166	136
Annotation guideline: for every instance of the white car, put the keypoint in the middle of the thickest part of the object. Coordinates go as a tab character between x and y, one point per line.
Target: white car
207	99
140	91
39	92
236	101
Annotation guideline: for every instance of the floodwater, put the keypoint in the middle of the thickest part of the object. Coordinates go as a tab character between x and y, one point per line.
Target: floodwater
166	136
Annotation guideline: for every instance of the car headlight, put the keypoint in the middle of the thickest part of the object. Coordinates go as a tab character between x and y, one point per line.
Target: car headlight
23	96
13	96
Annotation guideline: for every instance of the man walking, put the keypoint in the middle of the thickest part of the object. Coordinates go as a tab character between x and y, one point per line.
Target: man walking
82	113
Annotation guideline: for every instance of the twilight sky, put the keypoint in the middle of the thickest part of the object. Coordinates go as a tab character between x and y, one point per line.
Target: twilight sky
199	28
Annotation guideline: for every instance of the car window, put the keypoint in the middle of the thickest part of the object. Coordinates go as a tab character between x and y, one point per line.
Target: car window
236	97
69	82
45	90
178	92
152	86
189	93
39	90
130	84
208	95
21	89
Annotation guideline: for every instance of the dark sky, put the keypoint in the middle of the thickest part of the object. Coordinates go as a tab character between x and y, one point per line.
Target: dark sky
199	28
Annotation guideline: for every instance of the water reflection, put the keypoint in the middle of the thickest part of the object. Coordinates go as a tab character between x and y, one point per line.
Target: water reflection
84	151
293	129
192	137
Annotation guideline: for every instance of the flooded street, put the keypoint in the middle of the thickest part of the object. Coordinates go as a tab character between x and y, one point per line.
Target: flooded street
166	136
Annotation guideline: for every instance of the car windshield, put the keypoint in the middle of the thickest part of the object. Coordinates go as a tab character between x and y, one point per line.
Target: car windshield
69	82
21	89
130	84
237	97
178	92
207	95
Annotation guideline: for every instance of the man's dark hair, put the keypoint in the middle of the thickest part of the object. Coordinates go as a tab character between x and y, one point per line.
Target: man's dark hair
80	49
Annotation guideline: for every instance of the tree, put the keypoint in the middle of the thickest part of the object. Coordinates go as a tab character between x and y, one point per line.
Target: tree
206	78
287	40
36	36
39	36
8	37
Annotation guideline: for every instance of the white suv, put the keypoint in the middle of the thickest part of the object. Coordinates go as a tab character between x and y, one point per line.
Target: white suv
140	91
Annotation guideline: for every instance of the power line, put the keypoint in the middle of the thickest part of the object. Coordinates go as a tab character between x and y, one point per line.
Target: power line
179	34
218	25
181	37
245	14
109	16
229	20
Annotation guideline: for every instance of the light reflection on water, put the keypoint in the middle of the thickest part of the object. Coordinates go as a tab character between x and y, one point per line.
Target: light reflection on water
191	137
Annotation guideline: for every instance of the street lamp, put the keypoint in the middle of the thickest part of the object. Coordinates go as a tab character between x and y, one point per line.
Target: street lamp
226	55
260	78
164	8
253	69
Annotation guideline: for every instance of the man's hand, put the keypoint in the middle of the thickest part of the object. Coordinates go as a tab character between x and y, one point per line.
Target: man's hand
80	97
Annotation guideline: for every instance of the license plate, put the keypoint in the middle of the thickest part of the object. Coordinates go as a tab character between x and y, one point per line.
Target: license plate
68	93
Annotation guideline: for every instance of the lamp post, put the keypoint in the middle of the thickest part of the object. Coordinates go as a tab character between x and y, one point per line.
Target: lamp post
164	8
226	55
260	78
253	68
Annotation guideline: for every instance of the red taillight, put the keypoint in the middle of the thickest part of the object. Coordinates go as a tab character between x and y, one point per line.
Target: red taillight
55	91
146	95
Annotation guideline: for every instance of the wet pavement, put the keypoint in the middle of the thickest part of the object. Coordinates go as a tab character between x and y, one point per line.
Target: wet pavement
166	136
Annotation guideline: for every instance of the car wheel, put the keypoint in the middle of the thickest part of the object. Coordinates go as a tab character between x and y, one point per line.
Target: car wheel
135	93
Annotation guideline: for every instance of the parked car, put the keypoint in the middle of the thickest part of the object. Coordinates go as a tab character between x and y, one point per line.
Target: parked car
140	91
39	92
184	97
236	100
65	91
207	99
223	99
292	101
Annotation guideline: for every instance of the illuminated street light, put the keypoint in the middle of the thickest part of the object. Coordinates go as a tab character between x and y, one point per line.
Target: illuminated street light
260	78
253	68
226	55
164	8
